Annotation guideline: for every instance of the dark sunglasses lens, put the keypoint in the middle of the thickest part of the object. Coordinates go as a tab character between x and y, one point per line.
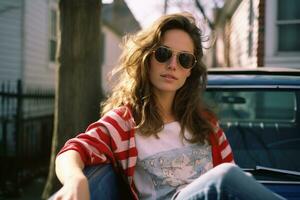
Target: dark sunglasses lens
186	60
162	54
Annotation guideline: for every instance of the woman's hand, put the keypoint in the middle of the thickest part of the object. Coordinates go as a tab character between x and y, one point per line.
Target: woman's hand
75	188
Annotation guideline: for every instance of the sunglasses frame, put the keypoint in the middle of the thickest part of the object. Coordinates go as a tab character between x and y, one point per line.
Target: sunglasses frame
177	53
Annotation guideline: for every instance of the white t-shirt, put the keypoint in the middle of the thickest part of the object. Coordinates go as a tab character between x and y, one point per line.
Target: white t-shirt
167	164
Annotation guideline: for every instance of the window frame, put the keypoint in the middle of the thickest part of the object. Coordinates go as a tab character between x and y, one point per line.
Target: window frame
53	7
273	57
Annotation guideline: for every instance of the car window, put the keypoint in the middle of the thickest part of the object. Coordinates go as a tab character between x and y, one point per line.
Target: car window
261	126
253	106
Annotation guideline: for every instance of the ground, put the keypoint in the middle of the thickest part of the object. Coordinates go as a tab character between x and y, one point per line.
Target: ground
32	191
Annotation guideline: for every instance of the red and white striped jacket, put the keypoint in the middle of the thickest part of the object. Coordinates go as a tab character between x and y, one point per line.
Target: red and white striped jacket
111	140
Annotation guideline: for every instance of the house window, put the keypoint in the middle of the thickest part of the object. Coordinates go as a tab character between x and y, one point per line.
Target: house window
288	25
282	30
52	34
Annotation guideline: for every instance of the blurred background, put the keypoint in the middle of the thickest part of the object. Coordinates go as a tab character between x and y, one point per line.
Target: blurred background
236	34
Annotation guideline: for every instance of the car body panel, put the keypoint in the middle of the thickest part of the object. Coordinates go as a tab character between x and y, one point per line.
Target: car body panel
259	111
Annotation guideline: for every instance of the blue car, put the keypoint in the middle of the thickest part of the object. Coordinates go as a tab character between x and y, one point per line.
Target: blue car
259	110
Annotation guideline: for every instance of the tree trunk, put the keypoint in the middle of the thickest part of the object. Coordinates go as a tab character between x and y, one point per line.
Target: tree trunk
78	90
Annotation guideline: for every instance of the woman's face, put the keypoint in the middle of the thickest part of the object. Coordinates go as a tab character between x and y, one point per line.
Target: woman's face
169	76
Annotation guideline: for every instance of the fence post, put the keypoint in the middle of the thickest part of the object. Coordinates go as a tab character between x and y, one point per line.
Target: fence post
3	120
3	156
19	127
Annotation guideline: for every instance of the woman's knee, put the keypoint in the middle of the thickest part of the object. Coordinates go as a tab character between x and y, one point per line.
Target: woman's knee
231	174
227	169
212	182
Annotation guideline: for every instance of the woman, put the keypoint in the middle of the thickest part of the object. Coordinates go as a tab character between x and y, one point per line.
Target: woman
154	129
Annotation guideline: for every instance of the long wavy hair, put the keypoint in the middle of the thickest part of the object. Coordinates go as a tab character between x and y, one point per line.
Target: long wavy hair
133	86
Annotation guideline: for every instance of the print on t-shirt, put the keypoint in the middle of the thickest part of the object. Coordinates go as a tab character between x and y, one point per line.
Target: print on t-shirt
171	170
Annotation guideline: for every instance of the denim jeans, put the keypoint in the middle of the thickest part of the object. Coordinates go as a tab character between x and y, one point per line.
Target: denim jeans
226	182
103	182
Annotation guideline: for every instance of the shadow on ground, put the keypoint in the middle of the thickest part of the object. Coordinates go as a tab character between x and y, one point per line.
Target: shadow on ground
31	191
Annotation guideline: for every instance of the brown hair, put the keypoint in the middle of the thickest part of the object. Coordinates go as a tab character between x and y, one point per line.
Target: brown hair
134	88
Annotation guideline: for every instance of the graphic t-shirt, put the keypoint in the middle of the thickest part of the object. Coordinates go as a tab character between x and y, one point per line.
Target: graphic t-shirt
167	164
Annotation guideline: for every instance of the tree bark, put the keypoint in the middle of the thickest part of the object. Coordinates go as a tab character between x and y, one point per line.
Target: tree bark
78	89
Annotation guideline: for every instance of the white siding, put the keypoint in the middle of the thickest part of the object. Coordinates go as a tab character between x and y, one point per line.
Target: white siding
112	52
239	56
10	39
37	73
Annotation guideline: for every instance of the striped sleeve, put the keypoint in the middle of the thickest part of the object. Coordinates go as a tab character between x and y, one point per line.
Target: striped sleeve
121	127
225	150
221	150
94	146
109	139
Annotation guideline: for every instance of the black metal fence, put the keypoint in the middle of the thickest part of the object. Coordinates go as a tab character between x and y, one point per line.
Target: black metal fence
26	125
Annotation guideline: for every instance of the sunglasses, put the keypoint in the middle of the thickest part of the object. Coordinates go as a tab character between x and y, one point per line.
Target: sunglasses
163	54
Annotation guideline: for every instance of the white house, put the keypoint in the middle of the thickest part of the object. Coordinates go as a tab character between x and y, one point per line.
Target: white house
117	21
257	33
28	38
24	42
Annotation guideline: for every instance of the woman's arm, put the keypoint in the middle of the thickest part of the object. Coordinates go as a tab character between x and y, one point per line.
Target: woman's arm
69	171
67	165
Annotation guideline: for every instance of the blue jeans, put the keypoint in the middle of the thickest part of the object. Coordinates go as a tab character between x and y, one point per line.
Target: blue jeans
228	182
224	182
103	182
